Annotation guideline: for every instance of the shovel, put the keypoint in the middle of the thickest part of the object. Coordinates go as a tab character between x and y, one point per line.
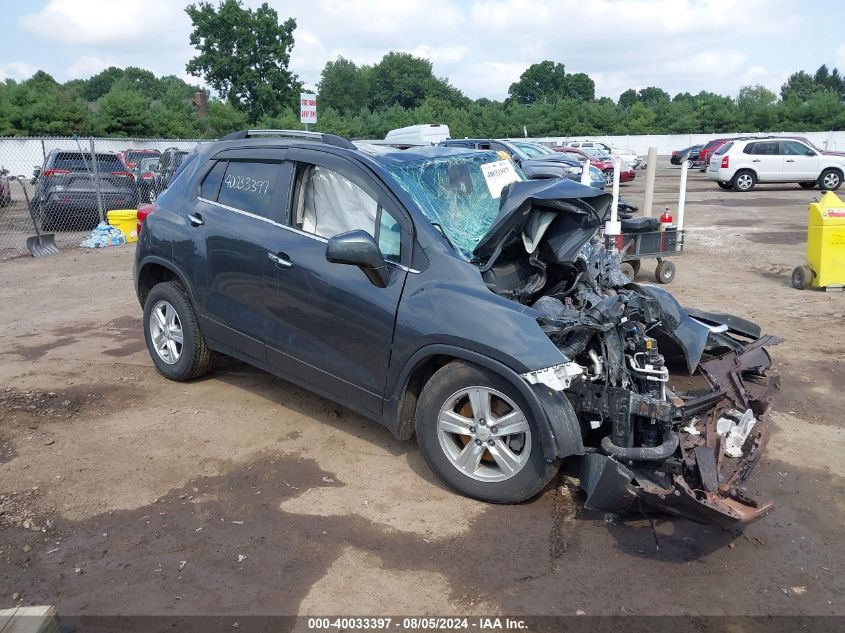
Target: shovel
39	244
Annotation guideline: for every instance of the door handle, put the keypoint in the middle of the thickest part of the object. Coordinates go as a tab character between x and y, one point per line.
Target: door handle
281	260
195	219
790	160
756	160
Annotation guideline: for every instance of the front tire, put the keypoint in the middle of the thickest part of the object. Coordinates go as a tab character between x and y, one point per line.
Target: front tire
830	180
724	185
744	180
477	434
172	334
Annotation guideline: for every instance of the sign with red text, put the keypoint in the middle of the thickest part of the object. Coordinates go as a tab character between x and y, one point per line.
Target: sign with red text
307	108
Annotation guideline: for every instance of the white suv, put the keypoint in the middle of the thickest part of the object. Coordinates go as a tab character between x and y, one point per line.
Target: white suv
742	163
627	155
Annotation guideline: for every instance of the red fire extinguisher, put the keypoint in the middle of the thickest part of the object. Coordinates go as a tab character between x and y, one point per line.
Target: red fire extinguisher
665	219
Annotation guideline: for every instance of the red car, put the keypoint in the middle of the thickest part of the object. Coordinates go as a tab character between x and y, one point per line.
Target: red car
131	157
602	162
709	149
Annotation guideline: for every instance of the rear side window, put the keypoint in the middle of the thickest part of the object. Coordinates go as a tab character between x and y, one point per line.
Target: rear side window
213	180
249	186
724	148
762	148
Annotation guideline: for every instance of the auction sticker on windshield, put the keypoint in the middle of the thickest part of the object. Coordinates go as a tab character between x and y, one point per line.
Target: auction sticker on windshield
498	175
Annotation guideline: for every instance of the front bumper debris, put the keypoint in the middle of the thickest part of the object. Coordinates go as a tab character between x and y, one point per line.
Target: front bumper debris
701	481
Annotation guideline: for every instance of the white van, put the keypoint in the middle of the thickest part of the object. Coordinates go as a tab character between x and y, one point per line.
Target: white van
425	134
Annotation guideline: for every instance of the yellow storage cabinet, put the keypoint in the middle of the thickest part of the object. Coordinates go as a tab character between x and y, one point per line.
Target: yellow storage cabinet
825	246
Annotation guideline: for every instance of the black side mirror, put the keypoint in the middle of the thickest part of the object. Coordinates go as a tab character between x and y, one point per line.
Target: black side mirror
358	248
810	152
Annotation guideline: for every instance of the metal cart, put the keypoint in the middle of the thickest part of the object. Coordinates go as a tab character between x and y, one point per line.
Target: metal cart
657	245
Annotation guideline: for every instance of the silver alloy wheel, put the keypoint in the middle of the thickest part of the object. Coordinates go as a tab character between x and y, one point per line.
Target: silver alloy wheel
608	176
830	181
166	332
484	434
744	181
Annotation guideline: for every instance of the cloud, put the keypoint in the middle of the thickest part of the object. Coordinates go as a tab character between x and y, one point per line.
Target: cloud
86	66
482	46
17	71
107	23
840	57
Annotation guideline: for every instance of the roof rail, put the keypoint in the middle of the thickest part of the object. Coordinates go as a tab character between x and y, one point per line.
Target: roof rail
328	139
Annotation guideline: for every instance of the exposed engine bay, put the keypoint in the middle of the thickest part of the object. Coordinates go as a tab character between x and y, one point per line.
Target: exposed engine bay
672	403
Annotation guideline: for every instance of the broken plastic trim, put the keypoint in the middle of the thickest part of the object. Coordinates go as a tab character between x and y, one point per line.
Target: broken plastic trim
556	378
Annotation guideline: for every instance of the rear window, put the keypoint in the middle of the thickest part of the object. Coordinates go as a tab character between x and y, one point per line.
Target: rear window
724	148
135	156
76	161
249	186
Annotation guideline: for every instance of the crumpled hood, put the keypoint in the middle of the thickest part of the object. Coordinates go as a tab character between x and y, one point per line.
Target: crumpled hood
520	199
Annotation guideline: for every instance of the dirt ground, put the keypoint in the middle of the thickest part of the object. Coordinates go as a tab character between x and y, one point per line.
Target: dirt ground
123	493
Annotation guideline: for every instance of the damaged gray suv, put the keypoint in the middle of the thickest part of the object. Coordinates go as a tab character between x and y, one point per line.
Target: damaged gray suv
440	293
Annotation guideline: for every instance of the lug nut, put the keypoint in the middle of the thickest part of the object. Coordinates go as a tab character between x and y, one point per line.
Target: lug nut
491	442
478	442
494	429
472	429
482	421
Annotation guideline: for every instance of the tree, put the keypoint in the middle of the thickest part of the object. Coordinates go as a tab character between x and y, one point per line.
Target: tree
244	55
652	96
40	105
628	99
580	87
98	85
756	105
400	79
124	112
539	81
344	86
800	85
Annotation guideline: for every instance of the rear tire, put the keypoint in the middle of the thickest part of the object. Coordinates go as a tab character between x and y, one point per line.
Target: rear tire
496	471
830	180
178	358
665	272
608	176
724	185
807	185
744	180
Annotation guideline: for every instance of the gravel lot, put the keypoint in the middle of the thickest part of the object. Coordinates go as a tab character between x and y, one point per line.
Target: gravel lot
123	493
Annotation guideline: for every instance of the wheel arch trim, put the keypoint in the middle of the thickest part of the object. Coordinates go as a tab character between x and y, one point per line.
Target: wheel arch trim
559	427
167	264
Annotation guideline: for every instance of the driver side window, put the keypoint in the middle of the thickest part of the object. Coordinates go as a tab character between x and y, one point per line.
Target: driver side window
328	203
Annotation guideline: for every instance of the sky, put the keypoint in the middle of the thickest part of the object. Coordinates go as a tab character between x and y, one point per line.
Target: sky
481	46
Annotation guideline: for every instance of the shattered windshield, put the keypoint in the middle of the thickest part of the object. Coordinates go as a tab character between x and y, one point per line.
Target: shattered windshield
459	193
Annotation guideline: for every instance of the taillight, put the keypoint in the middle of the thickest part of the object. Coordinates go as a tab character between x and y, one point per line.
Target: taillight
123	174
143	212
54	172
725	162
147	176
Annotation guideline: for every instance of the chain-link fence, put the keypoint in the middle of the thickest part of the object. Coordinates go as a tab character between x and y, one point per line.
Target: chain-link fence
72	183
